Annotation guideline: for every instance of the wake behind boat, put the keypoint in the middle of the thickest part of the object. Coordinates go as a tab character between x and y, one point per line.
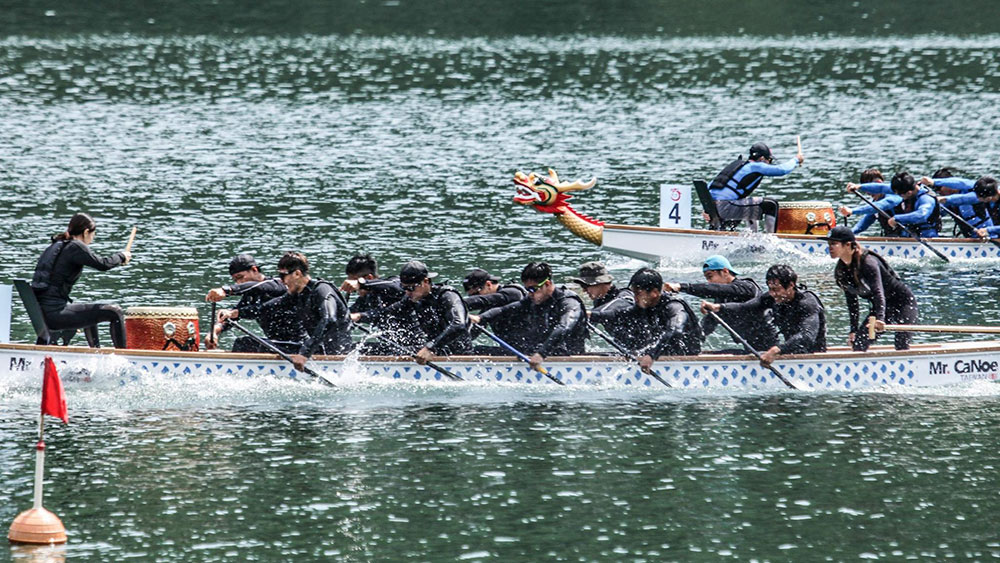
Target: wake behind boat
549	195
836	370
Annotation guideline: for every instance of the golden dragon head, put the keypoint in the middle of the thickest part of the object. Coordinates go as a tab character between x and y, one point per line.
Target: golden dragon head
546	193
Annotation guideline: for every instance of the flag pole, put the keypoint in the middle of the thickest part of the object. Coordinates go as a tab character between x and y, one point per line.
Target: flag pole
39	461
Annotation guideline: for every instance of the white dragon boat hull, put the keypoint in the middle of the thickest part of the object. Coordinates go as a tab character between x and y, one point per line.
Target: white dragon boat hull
838	369
654	243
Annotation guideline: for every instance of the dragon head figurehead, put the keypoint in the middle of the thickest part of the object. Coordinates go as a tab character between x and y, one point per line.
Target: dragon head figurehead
548	194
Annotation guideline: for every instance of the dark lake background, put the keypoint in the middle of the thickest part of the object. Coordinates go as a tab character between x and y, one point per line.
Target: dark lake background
395	128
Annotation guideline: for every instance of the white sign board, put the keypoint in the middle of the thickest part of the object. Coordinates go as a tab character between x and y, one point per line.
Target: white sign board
6	293
675	206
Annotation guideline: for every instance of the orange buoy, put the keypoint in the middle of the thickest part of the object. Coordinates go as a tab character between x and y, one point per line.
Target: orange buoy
37	526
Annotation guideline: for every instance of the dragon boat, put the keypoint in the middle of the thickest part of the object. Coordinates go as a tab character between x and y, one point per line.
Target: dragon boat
547	194
836	370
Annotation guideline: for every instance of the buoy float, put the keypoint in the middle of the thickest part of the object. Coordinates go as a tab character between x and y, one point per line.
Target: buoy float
37	526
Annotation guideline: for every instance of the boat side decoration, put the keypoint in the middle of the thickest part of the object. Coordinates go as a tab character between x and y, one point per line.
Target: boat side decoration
838	369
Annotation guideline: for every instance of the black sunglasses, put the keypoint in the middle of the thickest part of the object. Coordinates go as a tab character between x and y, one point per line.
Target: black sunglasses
282	275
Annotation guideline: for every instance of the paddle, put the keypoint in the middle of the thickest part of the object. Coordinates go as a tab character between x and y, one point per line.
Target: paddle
877	325
516	352
131	239
750	349
211	326
905	230
607	338
402	349
959	219
278	351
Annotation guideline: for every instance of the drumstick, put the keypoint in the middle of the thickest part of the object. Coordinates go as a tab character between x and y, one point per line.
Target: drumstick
131	239
798	141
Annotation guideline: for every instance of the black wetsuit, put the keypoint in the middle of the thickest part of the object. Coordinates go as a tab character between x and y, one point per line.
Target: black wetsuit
442	322
258	301
323	316
57	270
760	335
890	299
505	329
557	327
802	321
669	328
606	309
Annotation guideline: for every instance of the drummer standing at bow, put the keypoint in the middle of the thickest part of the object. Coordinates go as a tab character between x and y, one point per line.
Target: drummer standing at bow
863	273
60	266
280	326
732	187
320	309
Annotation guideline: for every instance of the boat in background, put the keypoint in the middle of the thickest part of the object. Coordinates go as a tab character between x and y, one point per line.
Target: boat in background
838	369
547	194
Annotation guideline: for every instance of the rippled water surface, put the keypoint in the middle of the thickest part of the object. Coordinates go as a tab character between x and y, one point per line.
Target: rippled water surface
395	128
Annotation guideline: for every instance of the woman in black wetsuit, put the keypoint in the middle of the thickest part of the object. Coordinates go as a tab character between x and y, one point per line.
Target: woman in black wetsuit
862	273
58	269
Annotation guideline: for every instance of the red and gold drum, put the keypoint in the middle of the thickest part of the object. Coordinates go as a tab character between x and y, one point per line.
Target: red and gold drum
805	217
162	328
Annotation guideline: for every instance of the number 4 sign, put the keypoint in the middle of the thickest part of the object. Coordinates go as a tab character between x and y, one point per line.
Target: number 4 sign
675	206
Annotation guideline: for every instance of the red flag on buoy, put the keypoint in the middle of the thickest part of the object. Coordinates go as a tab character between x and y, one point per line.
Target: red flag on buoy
53	396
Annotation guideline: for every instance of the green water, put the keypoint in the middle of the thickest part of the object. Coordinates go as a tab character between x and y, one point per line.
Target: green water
395	127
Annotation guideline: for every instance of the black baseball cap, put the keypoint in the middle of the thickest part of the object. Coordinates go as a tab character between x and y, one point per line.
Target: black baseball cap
477	278
241	263
840	234
758	150
646	279
414	271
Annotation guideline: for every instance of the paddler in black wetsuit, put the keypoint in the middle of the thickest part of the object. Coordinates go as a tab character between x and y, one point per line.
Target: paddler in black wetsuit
320	309
442	321
863	273
374	293
554	318
280	326
484	291
798	313
606	297
60	266
724	287
657	325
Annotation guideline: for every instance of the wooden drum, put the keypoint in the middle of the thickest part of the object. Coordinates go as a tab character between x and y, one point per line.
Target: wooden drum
805	218
162	328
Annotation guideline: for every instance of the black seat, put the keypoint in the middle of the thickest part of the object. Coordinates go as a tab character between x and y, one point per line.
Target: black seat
708	204
45	336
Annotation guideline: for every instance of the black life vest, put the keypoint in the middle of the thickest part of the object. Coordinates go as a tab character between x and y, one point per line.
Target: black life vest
932	222
692	329
857	288
520	288
46	264
746	185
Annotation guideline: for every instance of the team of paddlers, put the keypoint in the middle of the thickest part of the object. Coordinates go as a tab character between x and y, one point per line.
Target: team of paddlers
410	313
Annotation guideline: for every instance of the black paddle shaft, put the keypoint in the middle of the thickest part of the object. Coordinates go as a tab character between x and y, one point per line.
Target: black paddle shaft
402	349
739	338
959	219
622	350
905	230
277	351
